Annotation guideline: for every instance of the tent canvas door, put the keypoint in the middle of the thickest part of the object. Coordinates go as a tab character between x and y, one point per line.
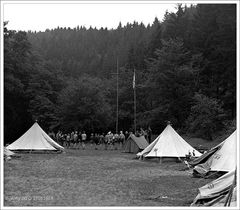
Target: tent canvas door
168	144
135	144
35	139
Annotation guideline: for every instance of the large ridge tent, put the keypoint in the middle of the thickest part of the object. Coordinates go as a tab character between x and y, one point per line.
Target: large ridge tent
168	144
221	158
220	192
35	139
135	144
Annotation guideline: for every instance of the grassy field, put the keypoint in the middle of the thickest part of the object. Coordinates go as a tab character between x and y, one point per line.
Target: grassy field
96	178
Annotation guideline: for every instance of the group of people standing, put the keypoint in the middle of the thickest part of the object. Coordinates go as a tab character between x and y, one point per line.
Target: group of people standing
77	140
74	139
109	140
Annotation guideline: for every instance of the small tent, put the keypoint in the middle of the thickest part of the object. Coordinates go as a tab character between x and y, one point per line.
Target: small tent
168	144
221	158
9	154
35	139
218	193
135	144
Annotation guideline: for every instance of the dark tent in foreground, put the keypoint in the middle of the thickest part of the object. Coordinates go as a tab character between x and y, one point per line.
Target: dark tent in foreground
135	144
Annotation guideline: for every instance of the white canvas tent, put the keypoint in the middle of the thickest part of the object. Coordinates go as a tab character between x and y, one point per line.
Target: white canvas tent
223	158
35	139
219	192
168	144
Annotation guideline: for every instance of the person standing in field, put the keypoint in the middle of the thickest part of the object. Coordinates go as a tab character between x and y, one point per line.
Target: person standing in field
52	135
84	138
116	140
111	140
91	139
95	139
101	139
71	139
126	134
61	139
121	139
79	140
68	140
75	139
58	135
64	141
106	141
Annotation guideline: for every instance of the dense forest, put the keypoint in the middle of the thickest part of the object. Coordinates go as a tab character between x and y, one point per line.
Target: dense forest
66	77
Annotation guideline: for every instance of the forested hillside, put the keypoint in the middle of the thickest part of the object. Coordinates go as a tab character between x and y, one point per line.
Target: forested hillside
66	77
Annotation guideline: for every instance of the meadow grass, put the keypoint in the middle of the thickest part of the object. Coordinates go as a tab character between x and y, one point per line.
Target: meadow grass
96	178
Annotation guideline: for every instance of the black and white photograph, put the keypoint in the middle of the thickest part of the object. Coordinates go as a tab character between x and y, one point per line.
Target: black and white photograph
119	104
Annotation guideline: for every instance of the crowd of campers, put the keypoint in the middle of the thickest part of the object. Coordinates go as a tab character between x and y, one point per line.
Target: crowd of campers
78	140
109	140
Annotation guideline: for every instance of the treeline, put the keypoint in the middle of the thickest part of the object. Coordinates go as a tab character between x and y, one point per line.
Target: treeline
66	78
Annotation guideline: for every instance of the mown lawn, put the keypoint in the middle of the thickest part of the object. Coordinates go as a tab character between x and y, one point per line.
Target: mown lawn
96	178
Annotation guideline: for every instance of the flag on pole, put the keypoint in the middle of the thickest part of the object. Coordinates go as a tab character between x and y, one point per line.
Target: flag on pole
134	79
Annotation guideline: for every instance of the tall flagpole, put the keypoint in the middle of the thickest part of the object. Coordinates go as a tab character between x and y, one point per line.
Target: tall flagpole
116	96
117	100
135	106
